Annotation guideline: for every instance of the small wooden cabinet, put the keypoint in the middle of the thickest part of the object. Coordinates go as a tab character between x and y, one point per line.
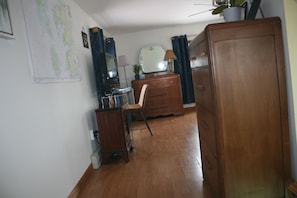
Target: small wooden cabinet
113	136
164	95
241	100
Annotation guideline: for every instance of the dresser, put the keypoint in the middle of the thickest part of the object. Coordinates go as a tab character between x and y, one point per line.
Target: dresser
113	135
241	101
164	95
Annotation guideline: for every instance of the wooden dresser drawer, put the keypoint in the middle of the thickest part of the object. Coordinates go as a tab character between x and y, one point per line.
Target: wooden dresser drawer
171	82
206	127
157	92
156	83
210	169
156	101
161	110
202	87
164	95
166	82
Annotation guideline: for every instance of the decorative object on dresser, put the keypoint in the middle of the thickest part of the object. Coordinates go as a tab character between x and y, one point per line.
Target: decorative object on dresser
169	57
136	70
164	95
242	110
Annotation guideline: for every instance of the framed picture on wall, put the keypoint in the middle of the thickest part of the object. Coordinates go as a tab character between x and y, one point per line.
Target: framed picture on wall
5	20
85	39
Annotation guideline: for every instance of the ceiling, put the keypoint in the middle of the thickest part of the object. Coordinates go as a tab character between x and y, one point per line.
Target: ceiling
127	16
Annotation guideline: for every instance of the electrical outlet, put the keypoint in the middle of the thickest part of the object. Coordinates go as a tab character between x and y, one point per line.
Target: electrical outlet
92	134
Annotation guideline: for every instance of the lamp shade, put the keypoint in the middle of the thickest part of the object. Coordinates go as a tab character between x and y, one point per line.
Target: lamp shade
122	61
169	55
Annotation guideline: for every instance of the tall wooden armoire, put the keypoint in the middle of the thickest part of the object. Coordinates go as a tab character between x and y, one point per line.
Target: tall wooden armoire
240	92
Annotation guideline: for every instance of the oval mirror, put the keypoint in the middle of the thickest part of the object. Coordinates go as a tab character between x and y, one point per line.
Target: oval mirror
151	59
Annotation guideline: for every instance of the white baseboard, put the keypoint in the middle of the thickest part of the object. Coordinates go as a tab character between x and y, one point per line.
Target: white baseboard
189	105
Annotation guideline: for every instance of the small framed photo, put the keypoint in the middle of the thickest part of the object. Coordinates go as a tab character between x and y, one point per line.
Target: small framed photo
5	21
84	39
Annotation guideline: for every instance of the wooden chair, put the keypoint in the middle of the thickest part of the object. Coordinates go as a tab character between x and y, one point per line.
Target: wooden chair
139	107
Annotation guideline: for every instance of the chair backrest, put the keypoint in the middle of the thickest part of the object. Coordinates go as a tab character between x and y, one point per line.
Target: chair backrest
142	95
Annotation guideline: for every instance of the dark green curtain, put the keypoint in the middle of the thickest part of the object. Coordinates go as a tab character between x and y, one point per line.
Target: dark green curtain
183	68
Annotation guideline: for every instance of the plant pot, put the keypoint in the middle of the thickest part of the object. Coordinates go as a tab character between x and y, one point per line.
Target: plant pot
137	76
232	14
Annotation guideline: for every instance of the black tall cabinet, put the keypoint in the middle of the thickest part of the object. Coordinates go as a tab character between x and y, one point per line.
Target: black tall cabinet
101	48
110	49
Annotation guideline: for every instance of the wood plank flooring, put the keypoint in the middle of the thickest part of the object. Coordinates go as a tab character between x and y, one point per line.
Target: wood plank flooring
165	165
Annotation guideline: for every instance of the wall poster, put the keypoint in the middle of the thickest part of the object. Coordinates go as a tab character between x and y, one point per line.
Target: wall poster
53	53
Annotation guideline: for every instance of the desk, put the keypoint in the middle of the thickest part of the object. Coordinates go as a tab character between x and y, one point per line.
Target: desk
113	130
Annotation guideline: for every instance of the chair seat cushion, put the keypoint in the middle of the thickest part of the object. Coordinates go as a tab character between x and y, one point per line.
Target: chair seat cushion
132	107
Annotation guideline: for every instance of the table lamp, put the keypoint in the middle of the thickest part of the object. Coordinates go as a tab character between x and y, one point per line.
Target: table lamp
169	57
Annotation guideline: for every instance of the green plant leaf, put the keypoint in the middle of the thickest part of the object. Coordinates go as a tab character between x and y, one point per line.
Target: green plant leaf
237	3
218	10
136	68
234	3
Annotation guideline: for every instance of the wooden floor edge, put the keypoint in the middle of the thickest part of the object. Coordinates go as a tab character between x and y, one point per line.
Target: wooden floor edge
81	183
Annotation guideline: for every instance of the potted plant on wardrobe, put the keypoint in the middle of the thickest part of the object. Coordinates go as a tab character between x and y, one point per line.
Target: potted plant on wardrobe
231	10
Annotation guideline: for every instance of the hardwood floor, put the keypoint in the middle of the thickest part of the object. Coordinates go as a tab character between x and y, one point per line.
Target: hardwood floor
165	165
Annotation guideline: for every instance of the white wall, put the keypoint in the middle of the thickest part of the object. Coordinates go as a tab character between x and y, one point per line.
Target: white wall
131	44
44	140
288	16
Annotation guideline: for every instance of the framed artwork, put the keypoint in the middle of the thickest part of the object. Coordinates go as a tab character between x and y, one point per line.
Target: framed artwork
5	20
85	39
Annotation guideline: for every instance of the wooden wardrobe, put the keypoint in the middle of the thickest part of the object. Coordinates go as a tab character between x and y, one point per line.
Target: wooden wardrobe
241	100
